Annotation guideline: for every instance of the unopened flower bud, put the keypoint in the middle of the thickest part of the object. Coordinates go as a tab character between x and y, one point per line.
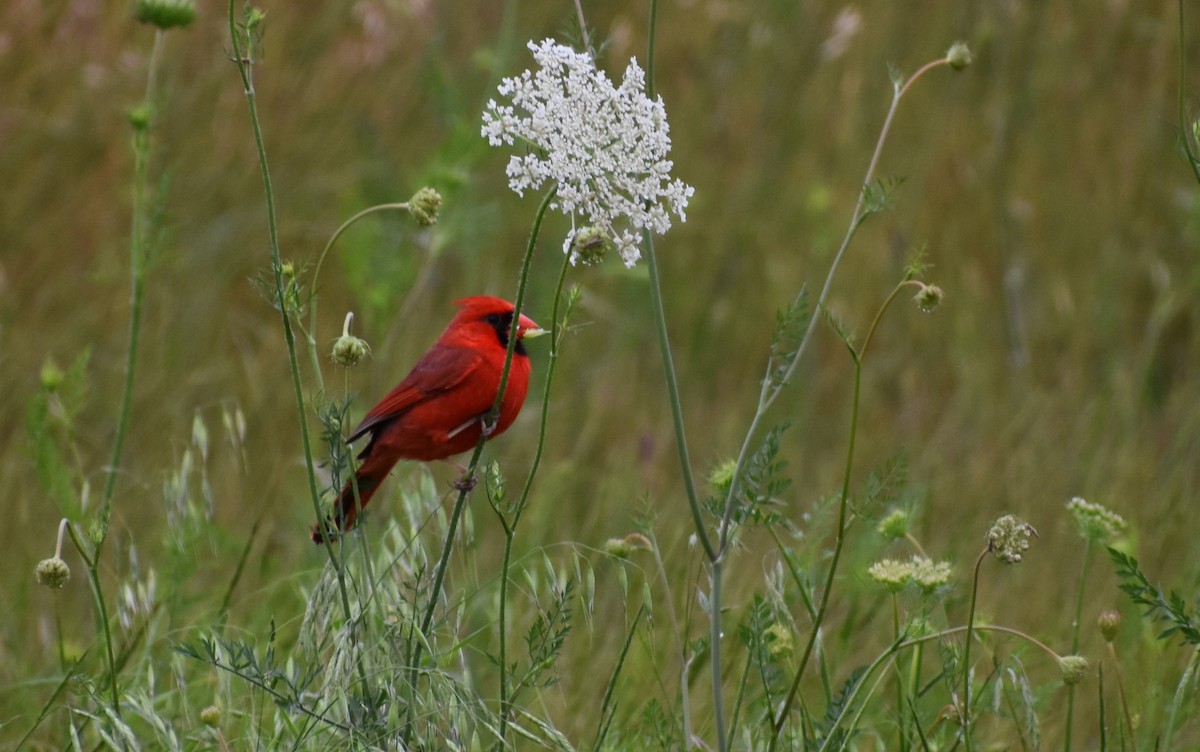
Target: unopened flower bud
722	475
623	548
959	56
139	117
52	376
1073	668
589	245
349	350
211	716
929	297
778	639
425	205
1109	622
53	573
895	525
165	14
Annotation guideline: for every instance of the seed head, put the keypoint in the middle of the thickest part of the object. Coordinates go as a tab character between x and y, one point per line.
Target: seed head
425	205
929	297
1008	538
959	56
53	573
1074	668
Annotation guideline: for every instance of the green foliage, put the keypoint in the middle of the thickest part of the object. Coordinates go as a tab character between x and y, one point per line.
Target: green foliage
1169	607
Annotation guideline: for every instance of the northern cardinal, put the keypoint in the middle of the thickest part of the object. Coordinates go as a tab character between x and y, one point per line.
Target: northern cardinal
440	407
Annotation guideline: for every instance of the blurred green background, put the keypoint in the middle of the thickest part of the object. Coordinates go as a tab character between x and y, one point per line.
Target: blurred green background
1044	184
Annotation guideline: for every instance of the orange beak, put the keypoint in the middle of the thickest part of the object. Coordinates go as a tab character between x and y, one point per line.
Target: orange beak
528	329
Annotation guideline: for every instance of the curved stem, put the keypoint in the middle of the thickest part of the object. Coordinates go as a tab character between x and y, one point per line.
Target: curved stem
312	309
768	395
966	711
92	563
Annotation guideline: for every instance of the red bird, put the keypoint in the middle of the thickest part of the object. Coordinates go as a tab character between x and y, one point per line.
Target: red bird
439	408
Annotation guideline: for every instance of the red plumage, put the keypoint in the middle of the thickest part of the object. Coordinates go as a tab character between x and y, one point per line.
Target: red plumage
437	410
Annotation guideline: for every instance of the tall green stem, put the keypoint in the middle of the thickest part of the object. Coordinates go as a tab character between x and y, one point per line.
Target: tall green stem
966	711
1075	626
460	502
843	504
510	529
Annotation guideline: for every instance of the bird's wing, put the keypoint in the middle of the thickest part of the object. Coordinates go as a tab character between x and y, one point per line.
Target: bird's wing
439	370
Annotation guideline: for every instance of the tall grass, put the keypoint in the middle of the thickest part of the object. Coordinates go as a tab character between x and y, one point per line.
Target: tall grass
827	598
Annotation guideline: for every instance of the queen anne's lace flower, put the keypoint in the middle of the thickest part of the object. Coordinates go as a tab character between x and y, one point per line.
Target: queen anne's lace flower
604	147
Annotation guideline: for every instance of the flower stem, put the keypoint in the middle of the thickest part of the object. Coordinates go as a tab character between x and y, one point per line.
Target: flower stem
966	709
460	502
1075	626
510	529
833	563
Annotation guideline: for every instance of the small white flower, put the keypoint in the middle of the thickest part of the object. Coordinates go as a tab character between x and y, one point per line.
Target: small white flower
604	147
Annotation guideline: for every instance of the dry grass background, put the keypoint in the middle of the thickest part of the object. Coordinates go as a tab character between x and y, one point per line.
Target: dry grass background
1044	184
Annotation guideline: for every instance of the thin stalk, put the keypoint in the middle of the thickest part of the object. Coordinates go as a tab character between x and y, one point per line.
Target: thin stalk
137	275
244	63
92	563
768	396
1075	626
310	332
837	554
510	529
460	502
1126	715
901	716
679	642
966	709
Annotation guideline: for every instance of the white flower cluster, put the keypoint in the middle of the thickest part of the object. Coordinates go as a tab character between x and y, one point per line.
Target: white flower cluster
604	147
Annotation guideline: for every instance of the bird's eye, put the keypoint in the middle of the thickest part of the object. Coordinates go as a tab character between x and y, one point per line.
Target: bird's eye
493	319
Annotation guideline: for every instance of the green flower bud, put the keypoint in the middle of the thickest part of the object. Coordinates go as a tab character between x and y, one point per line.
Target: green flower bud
211	716
959	56
1073	668
1109	622
896	525
53	573
778	639
52	376
589	245
139	117
349	350
722	475
165	14
1096	522
425	205
623	548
